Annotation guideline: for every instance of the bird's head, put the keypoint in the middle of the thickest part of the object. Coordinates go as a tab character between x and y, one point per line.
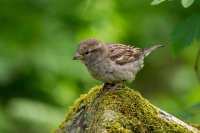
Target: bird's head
87	49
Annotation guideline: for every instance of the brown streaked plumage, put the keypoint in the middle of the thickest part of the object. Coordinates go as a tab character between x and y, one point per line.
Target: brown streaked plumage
122	54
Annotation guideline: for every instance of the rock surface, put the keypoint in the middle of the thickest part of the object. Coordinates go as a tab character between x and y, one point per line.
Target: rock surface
119	110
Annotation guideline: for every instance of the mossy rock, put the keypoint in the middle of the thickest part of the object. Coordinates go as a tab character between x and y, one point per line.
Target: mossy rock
119	110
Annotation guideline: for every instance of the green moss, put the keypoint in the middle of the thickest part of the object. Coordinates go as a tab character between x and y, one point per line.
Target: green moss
83	101
116	111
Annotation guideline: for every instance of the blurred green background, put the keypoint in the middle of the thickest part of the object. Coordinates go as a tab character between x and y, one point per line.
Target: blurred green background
39	80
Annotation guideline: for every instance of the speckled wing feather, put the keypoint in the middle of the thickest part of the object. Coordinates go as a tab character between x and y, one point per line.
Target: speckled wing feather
122	54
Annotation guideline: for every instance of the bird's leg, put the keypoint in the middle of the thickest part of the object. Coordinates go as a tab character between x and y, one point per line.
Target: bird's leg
119	85
113	86
108	86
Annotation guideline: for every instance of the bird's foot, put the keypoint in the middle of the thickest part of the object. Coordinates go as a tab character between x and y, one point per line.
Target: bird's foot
108	86
113	86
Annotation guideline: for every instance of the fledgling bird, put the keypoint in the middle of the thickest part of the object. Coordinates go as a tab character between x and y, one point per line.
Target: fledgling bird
112	63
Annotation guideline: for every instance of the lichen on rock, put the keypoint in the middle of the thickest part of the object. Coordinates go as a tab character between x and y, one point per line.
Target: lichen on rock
119	110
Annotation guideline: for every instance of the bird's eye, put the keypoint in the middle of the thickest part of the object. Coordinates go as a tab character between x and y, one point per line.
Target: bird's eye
86	52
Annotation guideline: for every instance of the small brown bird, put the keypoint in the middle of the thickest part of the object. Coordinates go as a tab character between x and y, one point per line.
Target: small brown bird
112	63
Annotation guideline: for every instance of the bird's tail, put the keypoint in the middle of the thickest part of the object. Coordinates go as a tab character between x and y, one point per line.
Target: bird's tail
147	51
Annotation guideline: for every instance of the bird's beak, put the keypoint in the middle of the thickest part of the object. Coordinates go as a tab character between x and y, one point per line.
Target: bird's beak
77	56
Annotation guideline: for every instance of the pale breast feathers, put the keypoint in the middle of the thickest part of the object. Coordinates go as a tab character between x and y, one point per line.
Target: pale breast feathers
122	54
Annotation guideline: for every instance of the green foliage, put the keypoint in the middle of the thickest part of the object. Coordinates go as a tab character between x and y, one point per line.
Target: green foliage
156	2
185	3
186	32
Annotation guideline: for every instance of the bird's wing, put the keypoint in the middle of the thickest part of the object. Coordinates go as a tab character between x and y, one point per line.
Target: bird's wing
122	54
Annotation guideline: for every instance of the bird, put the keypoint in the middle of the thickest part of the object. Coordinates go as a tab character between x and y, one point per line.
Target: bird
112	63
